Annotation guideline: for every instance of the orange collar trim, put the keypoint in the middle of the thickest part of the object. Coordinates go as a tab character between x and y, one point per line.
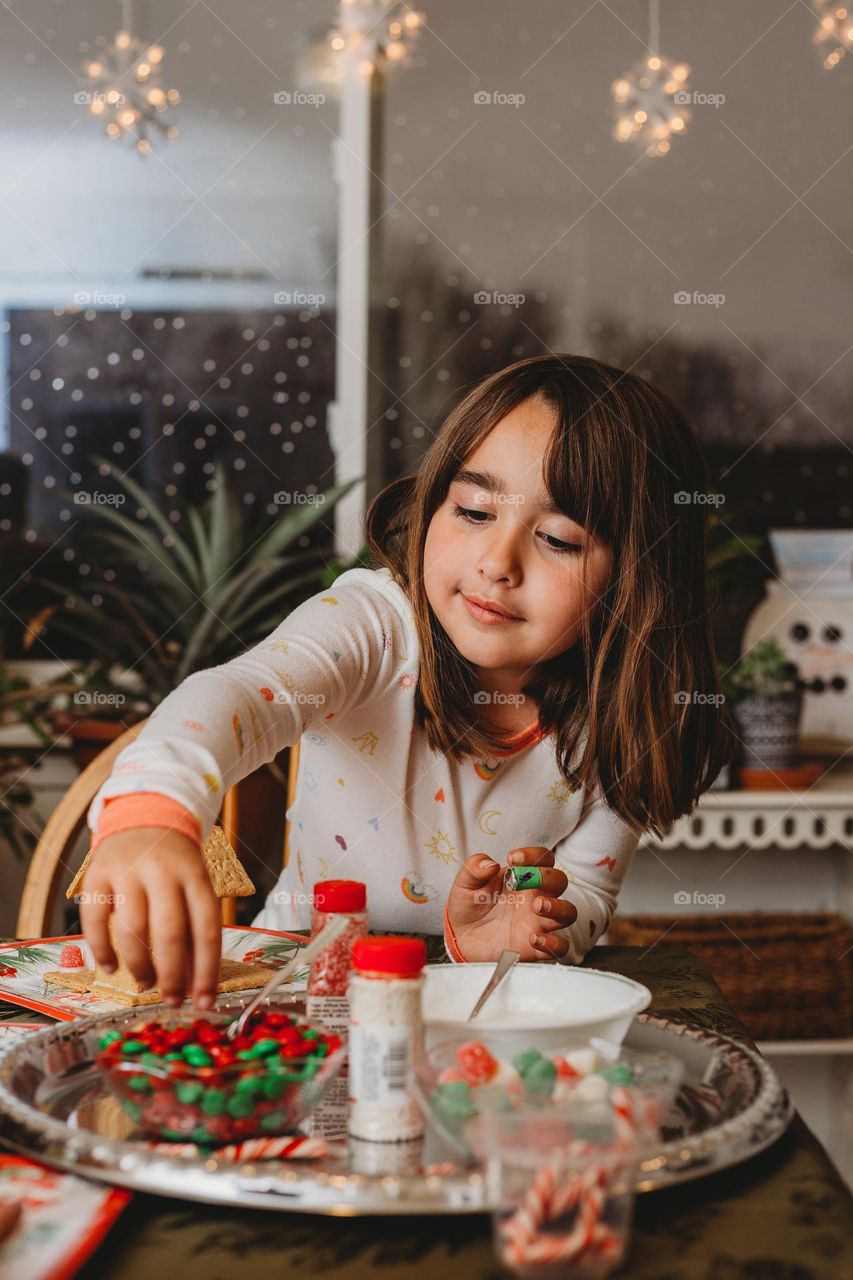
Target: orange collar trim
523	738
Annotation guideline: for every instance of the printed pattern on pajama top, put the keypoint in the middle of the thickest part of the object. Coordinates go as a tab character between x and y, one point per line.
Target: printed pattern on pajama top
373	802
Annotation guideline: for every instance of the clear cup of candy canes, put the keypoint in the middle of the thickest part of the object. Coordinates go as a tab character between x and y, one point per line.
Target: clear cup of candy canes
561	1178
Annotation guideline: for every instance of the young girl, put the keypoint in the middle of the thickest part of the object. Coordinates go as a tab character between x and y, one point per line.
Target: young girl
523	680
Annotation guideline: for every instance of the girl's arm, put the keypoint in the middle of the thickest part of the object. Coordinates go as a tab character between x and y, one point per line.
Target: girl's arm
595	856
336	651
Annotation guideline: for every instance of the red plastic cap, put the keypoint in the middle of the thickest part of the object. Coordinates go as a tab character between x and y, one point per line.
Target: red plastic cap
340	895
400	957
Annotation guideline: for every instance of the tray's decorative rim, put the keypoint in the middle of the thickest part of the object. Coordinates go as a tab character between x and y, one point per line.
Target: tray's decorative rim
306	1189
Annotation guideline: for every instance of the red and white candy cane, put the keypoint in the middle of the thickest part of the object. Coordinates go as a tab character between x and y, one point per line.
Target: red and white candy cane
527	1242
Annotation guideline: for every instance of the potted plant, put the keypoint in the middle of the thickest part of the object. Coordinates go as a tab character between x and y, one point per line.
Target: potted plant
766	696
175	598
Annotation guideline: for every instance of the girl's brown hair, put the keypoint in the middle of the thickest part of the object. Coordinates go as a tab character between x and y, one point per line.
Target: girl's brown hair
635	704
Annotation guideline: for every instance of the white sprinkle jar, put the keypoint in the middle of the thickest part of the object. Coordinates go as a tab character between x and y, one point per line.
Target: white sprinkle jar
385	1035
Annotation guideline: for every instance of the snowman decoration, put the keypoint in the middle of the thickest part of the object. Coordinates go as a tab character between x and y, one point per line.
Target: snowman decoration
809	611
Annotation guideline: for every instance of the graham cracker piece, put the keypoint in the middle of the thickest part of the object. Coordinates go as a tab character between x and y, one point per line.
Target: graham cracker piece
71	979
233	976
227	874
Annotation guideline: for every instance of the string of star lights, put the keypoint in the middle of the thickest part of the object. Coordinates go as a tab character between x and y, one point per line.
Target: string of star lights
125	88
360	26
836	24
650	101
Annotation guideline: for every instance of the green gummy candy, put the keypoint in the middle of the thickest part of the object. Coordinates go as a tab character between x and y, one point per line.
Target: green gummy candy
141	1084
525	1060
454	1089
246	1054
310	1035
108	1038
617	1073
196	1056
174	1135
249	1086
133	1047
200	1135
540	1076
240	1106
275	1120
188	1091
262	1047
174	1056
273	1088
214	1102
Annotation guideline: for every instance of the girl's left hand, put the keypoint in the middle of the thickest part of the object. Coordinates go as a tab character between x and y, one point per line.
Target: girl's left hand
486	918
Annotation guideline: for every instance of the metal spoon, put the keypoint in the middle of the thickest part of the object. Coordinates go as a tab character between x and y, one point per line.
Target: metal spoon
330	933
502	968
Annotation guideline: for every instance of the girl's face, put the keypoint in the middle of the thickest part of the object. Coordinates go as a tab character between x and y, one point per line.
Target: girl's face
494	539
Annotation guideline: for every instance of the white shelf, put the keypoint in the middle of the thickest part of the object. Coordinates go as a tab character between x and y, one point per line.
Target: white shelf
815	817
805	1048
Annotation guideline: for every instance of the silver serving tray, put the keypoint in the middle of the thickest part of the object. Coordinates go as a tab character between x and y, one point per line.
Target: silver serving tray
731	1106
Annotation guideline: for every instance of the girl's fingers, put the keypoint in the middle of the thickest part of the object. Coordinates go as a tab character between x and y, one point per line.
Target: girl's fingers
95	908
531	855
169	932
206	921
549	945
132	934
554	913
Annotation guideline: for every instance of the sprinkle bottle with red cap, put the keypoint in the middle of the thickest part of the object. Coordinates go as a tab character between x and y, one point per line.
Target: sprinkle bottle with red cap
328	1005
385	1035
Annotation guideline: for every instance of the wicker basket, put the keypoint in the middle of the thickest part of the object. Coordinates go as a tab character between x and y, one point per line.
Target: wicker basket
787	976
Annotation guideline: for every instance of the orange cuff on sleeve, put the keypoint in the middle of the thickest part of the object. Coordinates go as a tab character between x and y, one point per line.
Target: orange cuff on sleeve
145	809
450	940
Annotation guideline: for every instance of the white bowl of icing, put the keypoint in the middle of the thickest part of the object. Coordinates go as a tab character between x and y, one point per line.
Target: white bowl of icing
537	1005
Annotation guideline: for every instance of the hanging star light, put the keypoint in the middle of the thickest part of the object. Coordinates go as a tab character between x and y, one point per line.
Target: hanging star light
650	101
124	88
360	26
836	24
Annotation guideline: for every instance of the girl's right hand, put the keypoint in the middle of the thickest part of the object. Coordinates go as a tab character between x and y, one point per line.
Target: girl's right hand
486	918
157	883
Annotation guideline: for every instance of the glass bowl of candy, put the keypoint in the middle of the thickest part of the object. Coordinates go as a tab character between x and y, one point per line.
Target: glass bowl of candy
180	1079
461	1080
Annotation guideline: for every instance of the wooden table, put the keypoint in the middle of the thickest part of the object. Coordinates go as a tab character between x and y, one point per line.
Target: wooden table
784	1215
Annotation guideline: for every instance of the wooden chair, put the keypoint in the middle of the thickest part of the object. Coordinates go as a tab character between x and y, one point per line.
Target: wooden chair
63	828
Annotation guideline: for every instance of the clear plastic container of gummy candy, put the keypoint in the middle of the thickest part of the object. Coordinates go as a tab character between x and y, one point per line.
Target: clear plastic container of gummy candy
179	1079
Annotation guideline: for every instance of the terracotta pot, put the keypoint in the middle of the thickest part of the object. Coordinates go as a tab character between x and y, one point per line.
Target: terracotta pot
89	736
